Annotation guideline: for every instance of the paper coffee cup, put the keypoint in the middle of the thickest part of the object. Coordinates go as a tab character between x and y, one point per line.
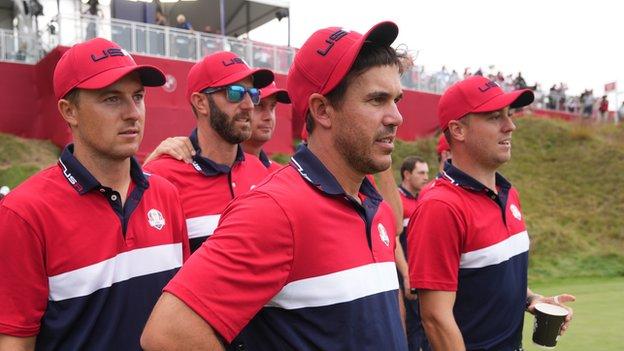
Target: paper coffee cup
548	322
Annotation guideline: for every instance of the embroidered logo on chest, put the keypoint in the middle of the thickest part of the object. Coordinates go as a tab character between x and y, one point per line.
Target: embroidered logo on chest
515	212
155	219
383	234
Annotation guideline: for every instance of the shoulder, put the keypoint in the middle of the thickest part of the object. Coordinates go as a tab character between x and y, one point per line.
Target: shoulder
41	187
163	163
253	162
160	184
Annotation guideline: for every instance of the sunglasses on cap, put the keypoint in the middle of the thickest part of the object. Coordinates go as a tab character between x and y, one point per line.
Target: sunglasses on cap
236	93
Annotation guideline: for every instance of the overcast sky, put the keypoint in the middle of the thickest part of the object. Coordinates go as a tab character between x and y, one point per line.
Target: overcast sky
549	41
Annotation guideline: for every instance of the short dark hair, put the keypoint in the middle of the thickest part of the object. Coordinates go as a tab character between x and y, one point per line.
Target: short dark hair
371	55
409	163
73	96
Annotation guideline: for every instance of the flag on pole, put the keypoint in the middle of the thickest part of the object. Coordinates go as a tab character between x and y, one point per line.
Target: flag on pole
610	87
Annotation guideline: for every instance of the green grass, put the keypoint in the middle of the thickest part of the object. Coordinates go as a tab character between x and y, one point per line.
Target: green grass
21	158
598	314
571	183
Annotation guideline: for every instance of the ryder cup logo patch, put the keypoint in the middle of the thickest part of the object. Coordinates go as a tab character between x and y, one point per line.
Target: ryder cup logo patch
515	212
383	234
155	219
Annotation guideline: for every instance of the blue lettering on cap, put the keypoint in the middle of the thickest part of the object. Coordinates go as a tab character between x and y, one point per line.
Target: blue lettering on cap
331	40
489	85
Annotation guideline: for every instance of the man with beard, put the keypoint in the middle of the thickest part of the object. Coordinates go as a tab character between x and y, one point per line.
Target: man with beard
262	127
305	261
222	91
87	245
467	241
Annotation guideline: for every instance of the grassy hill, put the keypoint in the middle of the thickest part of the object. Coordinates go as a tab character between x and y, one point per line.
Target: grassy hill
20	158
570	180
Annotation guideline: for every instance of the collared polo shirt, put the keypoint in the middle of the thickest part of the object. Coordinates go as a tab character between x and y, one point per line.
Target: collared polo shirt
272	166
299	265
79	270
409	205
206	187
466	238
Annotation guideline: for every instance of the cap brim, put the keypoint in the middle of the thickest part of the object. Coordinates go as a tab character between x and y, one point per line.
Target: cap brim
280	94
383	33
150	77
514	99
261	78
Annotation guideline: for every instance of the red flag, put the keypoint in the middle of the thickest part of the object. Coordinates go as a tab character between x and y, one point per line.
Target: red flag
610	87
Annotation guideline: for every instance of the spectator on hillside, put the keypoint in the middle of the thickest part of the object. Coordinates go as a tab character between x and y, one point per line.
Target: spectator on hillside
587	100
519	82
620	114
603	109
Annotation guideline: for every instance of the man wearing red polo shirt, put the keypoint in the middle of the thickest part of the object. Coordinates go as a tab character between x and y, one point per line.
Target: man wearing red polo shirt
305	261
222	91
87	245
467	240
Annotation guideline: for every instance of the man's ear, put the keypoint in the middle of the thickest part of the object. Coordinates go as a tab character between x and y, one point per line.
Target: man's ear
321	110
457	130
200	103
69	112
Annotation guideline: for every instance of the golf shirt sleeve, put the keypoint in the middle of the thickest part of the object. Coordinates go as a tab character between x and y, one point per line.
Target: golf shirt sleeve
23	279
240	267
435	240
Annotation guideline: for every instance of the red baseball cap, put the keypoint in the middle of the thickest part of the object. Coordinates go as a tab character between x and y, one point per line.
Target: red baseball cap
280	94
224	68
326	58
98	63
443	145
478	94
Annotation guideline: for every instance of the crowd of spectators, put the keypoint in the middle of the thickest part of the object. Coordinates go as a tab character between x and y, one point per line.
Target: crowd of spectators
587	104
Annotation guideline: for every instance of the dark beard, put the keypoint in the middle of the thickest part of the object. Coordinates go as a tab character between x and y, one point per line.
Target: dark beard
357	154
224	125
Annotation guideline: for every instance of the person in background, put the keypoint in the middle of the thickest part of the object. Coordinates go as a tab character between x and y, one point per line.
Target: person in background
182	23
414	177
161	19
603	109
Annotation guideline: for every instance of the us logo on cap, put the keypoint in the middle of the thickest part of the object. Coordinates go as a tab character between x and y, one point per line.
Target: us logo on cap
383	234
155	219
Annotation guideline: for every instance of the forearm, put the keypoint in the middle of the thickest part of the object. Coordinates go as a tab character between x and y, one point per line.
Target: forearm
401	262
13	343
443	334
436	309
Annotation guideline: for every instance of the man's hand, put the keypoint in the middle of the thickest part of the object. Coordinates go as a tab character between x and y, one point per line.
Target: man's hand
407	290
558	300
179	148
